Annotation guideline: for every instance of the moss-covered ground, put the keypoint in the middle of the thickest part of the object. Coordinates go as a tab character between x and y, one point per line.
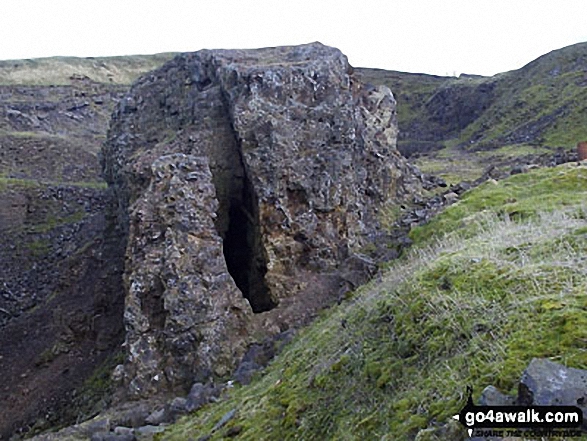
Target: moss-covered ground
493	281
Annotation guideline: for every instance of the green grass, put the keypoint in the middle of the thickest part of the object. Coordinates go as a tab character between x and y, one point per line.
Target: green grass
455	165
483	292
39	248
15	134
549	94
519	197
509	151
6	183
96	392
452	167
31	183
52	222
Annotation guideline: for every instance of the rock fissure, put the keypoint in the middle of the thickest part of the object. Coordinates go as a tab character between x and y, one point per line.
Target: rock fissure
244	253
152	305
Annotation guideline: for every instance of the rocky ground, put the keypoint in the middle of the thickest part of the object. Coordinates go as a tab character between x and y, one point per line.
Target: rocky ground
60	281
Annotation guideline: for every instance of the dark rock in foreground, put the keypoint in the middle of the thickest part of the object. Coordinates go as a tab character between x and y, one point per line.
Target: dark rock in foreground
546	383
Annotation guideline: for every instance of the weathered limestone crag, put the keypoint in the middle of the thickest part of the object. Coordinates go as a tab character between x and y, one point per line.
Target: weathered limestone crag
246	180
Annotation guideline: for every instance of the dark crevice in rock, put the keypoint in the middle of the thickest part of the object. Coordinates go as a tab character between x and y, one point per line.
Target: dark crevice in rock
238	219
244	253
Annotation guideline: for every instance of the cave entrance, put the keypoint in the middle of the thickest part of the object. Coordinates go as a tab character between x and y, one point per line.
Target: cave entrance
244	252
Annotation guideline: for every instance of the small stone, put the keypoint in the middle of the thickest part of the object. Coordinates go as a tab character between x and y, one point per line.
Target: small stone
491	396
519	169
421	214
196	398
118	374
233	431
147	433
463	186
134	417
121	430
225	419
449	431
158	417
109	436
99	425
451	197
177	405
200	395
245	371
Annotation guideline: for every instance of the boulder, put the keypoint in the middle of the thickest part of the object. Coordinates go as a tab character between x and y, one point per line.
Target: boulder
546	383
200	395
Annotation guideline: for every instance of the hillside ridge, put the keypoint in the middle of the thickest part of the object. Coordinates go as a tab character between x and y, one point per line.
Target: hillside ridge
53	71
541	104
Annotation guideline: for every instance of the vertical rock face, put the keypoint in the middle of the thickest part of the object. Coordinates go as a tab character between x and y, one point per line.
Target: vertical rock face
245	180
183	311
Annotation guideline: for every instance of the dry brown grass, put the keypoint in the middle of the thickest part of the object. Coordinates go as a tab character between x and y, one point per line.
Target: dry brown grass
59	70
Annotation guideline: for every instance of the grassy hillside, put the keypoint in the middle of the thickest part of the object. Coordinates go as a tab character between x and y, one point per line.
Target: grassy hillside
544	103
492	282
526	111
59	70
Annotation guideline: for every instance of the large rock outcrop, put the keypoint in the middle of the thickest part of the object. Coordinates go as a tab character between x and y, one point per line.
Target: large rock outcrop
247	182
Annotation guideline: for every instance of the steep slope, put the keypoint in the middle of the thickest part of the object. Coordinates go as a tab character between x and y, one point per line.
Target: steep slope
541	104
493	281
60	302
